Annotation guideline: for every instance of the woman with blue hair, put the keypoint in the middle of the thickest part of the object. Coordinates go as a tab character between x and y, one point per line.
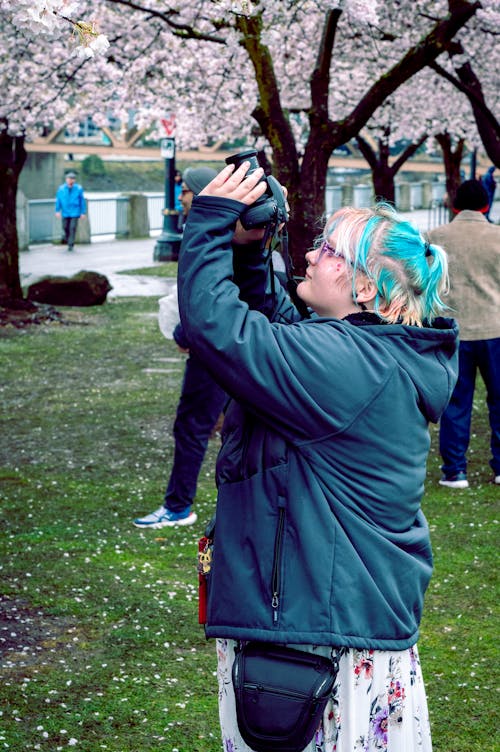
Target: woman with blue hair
320	540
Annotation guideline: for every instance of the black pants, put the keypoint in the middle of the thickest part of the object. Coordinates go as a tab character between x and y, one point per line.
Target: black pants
69	225
200	404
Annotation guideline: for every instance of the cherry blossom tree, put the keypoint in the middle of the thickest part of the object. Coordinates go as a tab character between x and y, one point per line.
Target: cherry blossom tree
467	94
39	77
401	119
487	124
435	105
287	66
472	66
429	109
289	73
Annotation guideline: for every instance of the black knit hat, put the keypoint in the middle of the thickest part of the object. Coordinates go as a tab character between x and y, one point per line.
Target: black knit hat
196	178
471	194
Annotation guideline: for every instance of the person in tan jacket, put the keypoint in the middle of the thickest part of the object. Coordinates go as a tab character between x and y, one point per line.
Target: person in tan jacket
473	245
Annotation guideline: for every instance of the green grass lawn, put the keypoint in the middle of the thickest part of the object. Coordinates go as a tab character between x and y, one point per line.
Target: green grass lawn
167	269
101	649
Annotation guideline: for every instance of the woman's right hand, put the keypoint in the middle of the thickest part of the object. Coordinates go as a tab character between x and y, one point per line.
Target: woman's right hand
235	184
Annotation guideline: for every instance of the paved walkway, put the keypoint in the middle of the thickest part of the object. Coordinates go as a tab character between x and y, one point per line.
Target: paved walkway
108	258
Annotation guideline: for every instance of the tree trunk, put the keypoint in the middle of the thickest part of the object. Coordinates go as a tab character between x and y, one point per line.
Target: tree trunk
452	163
382	172
383	185
308	197
487	125
306	180
12	158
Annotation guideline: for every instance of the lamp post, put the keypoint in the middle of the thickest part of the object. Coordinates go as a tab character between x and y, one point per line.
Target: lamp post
168	244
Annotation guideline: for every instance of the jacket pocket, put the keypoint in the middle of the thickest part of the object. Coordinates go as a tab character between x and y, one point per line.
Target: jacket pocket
246	579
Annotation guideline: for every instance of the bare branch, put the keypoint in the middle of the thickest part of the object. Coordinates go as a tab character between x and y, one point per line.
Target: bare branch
409	152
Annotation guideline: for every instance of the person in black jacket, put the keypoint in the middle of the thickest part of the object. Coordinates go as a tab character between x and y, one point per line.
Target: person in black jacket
200	405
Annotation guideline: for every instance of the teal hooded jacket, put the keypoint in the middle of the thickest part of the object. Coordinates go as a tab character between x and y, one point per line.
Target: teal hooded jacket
319	538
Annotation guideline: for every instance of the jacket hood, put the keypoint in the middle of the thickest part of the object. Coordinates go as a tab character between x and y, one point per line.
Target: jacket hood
424	354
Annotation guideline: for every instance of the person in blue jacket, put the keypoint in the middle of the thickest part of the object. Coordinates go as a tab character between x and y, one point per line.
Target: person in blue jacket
70	206
320	541
490	185
177	199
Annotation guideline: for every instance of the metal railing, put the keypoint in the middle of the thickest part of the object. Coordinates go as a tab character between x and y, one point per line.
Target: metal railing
107	216
40	220
156	204
438	214
110	215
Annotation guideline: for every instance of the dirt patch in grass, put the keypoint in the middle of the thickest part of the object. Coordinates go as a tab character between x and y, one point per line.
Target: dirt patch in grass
26	314
28	637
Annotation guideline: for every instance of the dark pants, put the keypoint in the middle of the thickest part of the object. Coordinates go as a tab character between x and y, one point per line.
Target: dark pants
482	355
69	225
201	402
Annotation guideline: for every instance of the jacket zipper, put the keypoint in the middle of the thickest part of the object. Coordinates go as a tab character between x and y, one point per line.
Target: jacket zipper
278	546
270	691
286	692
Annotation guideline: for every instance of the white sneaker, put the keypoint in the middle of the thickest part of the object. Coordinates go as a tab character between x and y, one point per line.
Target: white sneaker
455	481
497	480
166	518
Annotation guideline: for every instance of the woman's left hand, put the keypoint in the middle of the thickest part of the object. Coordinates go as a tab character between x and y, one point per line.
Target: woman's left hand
231	183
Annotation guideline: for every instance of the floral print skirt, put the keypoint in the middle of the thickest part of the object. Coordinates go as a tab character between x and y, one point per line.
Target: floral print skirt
378	703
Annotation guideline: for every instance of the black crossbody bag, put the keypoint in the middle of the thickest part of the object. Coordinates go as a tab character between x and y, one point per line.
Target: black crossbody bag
281	694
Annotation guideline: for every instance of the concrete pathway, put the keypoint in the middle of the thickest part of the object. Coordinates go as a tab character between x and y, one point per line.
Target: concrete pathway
108	258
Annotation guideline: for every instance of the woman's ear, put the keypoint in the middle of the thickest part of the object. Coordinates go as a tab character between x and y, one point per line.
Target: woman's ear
366	290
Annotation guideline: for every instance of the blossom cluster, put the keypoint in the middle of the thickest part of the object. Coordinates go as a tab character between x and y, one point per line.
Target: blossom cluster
48	13
35	17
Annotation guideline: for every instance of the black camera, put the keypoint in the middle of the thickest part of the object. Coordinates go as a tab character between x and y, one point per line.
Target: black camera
271	207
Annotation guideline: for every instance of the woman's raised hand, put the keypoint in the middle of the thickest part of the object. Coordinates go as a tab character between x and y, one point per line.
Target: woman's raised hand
231	183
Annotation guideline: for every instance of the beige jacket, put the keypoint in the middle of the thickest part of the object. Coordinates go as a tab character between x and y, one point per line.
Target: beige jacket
473	246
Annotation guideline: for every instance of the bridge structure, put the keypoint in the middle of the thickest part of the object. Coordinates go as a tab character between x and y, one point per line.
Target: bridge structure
50	155
125	140
202	154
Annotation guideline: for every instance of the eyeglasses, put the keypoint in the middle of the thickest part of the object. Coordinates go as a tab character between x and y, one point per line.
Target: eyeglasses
325	247
186	190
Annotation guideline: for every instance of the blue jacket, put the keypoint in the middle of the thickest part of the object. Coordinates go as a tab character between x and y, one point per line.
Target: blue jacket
70	201
320	538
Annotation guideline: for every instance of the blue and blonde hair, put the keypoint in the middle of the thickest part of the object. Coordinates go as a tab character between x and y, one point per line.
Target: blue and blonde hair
410	274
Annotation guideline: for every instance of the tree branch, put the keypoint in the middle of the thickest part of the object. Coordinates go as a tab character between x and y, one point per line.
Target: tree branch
417	57
367	151
320	79
408	152
269	112
181	30
472	91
